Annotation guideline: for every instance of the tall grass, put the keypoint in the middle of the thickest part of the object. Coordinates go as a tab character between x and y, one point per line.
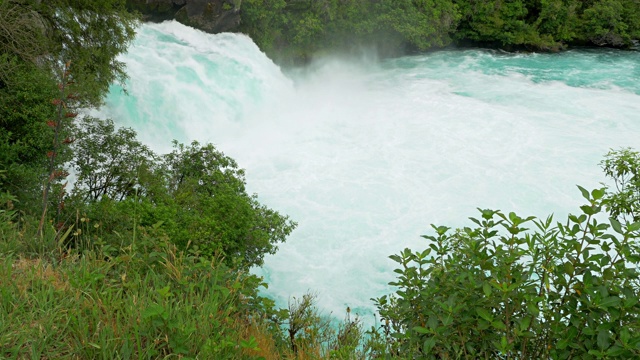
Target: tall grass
75	297
143	301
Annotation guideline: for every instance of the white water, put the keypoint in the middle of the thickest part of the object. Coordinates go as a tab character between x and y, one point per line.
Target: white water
365	155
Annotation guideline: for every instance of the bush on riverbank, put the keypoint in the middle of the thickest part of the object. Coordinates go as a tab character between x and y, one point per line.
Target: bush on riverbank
525	288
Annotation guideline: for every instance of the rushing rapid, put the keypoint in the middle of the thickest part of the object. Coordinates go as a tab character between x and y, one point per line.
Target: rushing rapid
365	154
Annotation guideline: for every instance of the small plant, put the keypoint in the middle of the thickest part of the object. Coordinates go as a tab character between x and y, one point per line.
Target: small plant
306	327
347	342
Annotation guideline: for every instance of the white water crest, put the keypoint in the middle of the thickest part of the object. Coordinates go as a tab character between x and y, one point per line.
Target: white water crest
365	155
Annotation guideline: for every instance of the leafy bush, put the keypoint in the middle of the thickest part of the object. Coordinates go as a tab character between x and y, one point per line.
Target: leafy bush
502	290
196	194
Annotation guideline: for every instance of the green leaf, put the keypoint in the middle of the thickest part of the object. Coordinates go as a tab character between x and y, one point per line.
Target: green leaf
499	325
562	344
615	351
486	288
568	268
442	230
630	301
483	313
587	278
152	311
584	192
158	224
615	224
607	274
63	238
588	209
603	339
610	301
634	227
165	292
429	344
597	193
421	330
625	335
524	324
251	343
487	214
447	320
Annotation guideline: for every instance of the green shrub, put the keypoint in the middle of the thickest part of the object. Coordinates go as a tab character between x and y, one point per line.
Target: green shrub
502	290
196	194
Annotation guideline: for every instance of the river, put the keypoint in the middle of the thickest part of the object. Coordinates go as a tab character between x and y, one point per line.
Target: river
364	153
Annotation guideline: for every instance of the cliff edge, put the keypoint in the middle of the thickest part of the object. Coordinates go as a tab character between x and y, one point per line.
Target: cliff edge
212	16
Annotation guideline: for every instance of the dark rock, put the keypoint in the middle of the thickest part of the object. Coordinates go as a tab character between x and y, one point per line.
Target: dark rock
156	10
212	16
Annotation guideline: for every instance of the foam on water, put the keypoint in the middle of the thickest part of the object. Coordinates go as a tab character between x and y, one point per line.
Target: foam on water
365	156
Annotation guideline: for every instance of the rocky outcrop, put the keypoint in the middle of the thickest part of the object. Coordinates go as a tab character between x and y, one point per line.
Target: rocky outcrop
212	16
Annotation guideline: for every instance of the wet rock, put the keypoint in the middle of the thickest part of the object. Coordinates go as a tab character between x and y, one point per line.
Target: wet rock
212	16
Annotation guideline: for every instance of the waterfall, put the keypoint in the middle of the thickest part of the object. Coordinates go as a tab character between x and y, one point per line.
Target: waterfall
364	155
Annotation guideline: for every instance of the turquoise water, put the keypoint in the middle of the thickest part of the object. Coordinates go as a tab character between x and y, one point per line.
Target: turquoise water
365	154
588	68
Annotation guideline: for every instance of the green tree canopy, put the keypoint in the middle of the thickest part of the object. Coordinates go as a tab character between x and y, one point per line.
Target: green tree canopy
51	53
303	28
196	192
214	211
88	34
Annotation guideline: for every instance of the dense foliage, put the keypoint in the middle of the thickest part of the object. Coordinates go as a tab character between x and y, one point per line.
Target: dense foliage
302	28
523	288
196	192
146	256
52	51
148	302
89	34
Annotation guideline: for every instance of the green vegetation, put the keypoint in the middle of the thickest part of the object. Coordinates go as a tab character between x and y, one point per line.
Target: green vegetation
524	288
147	255
196	192
299	29
148	302
303	28
52	51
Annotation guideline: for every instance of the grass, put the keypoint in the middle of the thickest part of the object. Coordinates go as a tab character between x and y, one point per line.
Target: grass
91	307
142	301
